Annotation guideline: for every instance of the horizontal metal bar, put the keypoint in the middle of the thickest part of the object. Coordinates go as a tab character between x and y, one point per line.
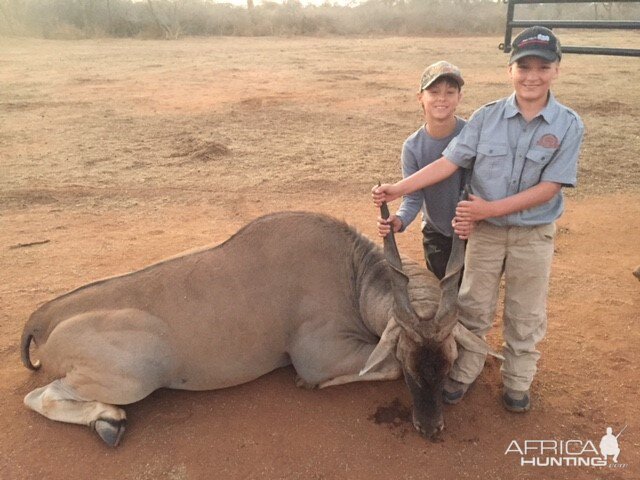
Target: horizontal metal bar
604	24
530	2
618	52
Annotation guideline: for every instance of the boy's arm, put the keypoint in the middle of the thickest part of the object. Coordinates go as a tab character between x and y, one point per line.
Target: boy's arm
476	208
425	177
460	153
563	167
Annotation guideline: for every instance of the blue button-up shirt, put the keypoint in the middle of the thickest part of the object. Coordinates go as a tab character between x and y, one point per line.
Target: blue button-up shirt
509	155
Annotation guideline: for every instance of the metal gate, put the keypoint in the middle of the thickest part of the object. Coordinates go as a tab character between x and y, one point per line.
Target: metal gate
599	24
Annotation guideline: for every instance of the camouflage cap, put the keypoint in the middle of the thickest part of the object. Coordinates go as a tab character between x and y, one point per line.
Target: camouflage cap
538	42
438	70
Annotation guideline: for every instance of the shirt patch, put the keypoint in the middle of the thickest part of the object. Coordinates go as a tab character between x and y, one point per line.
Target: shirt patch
549	141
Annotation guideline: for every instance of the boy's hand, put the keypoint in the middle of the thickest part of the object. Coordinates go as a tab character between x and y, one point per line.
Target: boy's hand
384	193
462	228
474	209
384	226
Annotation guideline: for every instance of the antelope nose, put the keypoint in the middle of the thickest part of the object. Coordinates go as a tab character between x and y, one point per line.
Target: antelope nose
435	434
431	433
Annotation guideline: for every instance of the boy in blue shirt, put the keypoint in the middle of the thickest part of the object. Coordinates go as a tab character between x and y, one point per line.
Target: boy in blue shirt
439	95
523	149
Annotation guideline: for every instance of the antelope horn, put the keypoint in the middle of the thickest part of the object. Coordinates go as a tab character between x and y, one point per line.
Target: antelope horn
404	312
447	313
446	316
390	247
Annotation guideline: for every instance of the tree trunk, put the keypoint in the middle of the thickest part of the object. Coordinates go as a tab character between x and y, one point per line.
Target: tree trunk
165	30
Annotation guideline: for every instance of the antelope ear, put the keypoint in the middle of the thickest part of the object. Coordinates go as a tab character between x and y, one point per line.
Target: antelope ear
473	343
386	346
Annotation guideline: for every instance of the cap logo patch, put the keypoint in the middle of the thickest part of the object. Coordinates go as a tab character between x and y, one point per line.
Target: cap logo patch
548	141
538	40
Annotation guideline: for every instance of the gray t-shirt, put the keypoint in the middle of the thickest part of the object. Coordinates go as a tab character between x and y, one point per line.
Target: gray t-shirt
437	202
512	155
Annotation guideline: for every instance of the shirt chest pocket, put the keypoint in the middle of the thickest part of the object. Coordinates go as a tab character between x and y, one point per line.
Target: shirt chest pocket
535	161
490	160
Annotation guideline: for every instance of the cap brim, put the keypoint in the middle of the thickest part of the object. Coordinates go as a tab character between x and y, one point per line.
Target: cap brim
453	77
544	54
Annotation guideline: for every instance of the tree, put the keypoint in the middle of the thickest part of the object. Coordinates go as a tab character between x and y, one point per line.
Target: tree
169	24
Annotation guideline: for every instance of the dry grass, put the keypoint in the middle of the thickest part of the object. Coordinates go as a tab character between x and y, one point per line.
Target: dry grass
243	115
119	153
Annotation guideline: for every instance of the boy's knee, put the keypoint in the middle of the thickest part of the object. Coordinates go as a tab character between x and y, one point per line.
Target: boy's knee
437	264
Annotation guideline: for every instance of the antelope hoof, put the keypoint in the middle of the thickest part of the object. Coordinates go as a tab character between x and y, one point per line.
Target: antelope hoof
110	431
301	383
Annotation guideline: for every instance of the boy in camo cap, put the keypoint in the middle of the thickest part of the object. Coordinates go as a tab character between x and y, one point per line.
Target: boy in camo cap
439	94
525	148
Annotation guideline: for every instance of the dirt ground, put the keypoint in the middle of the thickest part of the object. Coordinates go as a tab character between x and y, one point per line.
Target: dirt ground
118	153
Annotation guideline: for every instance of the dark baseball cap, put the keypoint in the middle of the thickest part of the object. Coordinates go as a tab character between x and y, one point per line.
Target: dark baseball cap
438	70
538	42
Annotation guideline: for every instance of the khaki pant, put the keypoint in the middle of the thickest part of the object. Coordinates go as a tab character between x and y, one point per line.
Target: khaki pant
523	255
